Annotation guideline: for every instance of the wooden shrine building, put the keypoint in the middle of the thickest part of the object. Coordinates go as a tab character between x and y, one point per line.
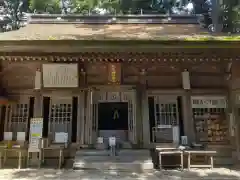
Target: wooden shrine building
123	80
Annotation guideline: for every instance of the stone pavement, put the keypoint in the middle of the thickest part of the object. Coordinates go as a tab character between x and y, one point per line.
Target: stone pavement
53	174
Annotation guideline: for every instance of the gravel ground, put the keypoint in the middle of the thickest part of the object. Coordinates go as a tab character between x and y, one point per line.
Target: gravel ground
53	174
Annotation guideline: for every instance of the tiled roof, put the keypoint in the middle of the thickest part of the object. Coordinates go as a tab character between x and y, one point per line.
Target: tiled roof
105	32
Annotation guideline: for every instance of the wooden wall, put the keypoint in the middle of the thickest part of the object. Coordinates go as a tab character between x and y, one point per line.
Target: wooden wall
20	75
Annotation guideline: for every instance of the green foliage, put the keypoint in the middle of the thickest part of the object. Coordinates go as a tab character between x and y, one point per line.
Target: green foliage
111	5
51	6
236	14
87	6
231	9
37	5
84	6
13	9
213	38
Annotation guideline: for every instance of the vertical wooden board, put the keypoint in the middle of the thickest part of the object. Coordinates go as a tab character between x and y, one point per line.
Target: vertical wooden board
114	73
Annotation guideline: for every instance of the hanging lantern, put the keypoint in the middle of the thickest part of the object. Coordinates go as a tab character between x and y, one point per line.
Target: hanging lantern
186	80
38	83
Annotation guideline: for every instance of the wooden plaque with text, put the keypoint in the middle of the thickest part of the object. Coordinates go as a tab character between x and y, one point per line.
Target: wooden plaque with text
114	73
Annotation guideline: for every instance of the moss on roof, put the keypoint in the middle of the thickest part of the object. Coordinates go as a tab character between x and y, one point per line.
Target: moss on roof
112	32
214	38
80	37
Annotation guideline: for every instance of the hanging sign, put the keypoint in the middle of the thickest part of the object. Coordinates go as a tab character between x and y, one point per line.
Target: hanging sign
61	137
186	80
176	133
164	126
38	80
8	136
114	73
208	102
60	75
112	141
184	140
36	126
237	99
113	96
100	140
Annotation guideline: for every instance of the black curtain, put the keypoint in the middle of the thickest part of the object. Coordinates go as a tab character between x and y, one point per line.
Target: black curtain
46	104
74	118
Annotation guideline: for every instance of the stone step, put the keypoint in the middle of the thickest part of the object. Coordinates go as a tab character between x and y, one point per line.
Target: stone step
133	160
105	152
126	145
137	165
131	152
93	152
111	158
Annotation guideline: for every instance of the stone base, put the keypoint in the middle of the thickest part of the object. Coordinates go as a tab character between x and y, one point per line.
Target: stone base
127	160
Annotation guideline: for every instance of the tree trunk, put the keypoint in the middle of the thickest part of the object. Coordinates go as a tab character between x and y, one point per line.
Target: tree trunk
216	16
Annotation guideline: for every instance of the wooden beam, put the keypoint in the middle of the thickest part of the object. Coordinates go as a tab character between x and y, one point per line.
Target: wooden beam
113	45
170	74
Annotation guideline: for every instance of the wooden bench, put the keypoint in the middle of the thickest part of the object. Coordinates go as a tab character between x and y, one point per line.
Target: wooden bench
173	152
170	151
20	152
60	150
205	153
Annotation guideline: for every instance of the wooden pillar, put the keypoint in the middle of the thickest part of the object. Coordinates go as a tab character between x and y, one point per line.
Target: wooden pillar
80	119
38	104
145	119
233	121
236	108
38	95
88	123
215	15
187	117
139	118
234	92
144	109
86	119
134	137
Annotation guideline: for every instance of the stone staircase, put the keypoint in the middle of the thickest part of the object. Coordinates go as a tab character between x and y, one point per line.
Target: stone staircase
126	160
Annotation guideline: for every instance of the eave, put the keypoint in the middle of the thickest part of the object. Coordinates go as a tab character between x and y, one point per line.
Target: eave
128	56
74	46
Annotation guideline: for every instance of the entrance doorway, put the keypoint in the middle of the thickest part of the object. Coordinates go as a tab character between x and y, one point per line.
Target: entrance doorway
165	112
113	120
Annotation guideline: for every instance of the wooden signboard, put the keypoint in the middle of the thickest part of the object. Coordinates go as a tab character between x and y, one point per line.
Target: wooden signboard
114	73
60	75
211	128
202	102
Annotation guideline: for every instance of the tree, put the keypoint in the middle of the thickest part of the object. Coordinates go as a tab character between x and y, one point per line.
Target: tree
84	6
113	6
12	13
231	12
50	6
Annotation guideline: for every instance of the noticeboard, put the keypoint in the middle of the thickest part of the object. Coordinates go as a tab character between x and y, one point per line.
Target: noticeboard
36	126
